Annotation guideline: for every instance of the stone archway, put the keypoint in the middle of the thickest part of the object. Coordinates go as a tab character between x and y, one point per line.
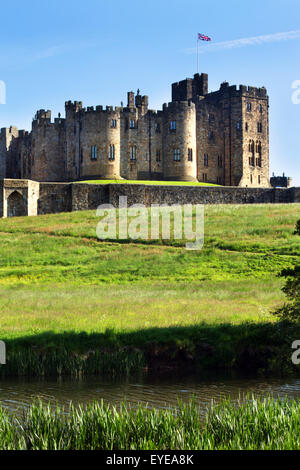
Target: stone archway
16	206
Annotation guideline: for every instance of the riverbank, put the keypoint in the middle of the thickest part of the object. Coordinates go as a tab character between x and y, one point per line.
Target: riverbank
252	424
254	348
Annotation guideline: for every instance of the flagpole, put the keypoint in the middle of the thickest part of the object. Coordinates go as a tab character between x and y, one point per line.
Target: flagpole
197	53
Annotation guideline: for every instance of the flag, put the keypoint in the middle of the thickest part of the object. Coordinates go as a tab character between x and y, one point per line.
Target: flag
202	37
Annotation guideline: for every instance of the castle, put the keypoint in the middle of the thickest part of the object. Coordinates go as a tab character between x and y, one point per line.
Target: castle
220	137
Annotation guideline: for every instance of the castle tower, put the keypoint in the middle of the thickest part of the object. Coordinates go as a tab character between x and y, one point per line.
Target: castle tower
111	144
72	155
179	141
47	151
9	165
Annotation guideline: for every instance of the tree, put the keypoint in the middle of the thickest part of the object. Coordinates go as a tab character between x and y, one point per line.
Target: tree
291	310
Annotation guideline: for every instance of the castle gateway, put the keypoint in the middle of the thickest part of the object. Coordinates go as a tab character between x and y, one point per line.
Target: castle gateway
220	137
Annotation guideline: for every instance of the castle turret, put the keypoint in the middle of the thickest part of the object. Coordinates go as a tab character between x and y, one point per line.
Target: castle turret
190	88
179	141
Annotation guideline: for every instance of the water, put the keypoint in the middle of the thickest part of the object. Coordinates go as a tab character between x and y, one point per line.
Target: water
152	391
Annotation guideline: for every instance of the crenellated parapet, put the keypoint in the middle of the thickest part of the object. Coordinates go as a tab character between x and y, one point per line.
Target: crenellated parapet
219	137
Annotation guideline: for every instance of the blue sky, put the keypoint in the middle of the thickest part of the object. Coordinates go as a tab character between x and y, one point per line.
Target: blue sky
96	50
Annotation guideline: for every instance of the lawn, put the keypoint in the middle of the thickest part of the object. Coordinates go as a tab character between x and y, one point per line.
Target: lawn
151	182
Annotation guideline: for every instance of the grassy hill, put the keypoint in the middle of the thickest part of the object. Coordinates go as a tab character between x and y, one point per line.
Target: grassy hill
55	275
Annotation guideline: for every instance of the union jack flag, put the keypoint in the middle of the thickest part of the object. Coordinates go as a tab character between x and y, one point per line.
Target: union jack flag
202	37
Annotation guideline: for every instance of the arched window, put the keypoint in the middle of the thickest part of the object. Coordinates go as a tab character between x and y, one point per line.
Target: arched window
133	152
251	146
111	154
173	126
94	151
177	155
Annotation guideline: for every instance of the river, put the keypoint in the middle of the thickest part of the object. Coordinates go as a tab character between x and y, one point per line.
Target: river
160	391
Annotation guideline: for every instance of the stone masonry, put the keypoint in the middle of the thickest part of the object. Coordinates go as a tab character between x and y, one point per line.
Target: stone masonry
25	197
220	137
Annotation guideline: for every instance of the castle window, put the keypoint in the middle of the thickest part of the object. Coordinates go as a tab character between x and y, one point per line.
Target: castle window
249	107
251	146
133	152
258	147
176	155
219	180
259	127
205	159
158	155
94	152
190	155
258	179
211	135
157	127
113	123
260	108
173	126
132	124
220	161
246	127
204	177
251	179
111	155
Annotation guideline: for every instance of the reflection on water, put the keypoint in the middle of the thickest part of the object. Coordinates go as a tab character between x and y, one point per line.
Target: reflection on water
160	391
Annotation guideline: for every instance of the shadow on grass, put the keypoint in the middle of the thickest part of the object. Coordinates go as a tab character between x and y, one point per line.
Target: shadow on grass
259	348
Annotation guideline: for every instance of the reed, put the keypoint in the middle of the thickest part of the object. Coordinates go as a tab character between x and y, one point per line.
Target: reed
27	362
250	424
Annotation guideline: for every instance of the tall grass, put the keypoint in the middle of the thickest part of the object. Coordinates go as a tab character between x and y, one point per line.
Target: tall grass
253	424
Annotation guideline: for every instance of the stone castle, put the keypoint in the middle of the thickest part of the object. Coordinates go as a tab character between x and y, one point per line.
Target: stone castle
220	137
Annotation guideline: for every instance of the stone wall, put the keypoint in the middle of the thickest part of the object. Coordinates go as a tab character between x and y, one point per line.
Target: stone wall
25	197
55	198
89	196
168	195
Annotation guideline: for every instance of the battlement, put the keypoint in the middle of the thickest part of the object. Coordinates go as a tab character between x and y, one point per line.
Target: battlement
41	114
101	109
24	134
12	130
249	91
281	181
73	107
177	106
190	88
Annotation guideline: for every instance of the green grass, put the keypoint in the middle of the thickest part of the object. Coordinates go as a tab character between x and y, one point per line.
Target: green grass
56	276
253	424
155	183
